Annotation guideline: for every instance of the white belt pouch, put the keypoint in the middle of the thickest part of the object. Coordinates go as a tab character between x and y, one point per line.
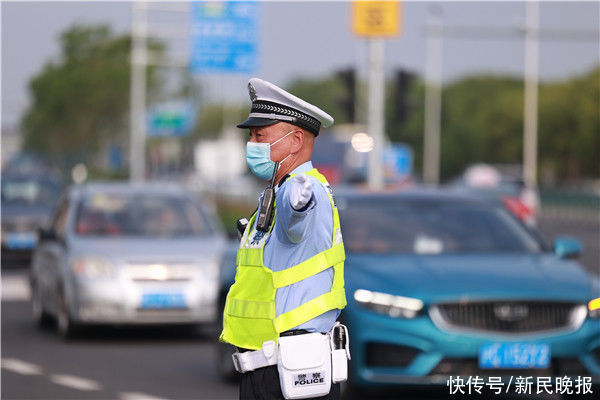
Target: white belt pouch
304	365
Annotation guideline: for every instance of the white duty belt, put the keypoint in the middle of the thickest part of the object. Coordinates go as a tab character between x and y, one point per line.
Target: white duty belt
251	360
269	354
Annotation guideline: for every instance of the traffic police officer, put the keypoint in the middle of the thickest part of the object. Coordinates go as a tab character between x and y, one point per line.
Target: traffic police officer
290	277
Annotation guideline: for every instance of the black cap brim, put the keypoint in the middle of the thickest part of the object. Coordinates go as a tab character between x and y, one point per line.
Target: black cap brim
256	121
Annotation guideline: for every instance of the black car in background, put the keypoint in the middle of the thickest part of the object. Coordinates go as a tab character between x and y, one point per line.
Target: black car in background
27	203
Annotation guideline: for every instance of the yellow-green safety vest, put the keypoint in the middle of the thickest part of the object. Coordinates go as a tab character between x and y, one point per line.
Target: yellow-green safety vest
249	318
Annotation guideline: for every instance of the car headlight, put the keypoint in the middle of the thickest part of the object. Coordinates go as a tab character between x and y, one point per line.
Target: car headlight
388	304
93	267
594	308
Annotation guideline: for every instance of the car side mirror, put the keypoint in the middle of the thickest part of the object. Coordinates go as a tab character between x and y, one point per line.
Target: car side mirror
567	248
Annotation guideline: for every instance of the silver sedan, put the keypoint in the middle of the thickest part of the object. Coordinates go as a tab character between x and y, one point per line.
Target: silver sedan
118	253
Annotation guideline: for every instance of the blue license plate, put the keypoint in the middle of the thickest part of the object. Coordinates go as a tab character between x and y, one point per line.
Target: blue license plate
514	355
20	241
163	300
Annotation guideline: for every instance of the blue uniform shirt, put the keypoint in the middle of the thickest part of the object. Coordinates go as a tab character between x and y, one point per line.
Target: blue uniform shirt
297	236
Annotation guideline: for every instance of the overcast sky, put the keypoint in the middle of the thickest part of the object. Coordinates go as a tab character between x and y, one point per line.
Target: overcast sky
310	39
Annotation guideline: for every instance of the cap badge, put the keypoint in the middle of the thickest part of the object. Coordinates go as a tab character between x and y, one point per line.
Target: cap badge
252	92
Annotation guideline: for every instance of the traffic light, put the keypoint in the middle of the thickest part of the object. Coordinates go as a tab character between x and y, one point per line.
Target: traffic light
348	79
403	102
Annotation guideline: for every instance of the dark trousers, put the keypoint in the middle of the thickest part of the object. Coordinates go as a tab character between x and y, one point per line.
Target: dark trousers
263	384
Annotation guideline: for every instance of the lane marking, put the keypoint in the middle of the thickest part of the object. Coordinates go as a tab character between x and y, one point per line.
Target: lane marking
20	366
138	396
15	288
75	382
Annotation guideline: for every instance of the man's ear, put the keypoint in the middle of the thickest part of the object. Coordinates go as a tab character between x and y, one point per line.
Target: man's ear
297	140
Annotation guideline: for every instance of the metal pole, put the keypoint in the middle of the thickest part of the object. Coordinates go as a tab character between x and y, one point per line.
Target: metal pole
530	120
433	101
137	136
375	119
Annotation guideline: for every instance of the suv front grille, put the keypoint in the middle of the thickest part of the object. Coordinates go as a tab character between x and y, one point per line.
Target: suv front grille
509	316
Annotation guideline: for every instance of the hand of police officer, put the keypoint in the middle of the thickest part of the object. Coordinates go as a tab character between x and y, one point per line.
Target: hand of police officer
300	191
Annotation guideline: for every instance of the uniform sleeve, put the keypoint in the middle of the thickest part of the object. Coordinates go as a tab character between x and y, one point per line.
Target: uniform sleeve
293	226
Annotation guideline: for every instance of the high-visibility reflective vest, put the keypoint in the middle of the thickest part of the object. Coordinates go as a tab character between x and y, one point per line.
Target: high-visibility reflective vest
249	318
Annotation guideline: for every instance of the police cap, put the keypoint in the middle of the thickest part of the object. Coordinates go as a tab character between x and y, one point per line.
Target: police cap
271	104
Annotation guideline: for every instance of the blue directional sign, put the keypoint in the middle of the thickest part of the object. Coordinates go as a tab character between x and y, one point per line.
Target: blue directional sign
224	36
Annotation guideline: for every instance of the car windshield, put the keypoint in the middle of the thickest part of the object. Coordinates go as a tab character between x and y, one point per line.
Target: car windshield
29	191
393	225
117	214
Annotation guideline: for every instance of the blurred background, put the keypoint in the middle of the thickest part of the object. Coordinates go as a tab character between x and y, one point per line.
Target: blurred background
123	172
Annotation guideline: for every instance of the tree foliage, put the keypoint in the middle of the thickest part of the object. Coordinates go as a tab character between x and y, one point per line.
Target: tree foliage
482	121
81	101
569	127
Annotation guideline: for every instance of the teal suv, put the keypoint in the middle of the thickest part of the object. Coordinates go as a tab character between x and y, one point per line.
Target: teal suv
441	285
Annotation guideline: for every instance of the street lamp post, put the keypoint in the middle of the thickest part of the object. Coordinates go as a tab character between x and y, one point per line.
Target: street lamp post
433	101
376	114
137	136
530	119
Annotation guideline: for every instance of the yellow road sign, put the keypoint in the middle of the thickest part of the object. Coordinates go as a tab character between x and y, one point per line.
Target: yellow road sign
377	18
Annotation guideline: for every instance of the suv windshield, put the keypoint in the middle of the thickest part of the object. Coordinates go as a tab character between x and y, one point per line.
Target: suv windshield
117	214
417	226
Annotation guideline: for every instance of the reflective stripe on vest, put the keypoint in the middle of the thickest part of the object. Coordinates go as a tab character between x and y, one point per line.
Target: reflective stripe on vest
249	318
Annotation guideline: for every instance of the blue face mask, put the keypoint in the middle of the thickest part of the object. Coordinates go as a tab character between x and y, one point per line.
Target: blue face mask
258	157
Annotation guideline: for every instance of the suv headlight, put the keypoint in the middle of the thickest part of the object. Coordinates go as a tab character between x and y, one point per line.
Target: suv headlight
388	304
594	308
93	267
